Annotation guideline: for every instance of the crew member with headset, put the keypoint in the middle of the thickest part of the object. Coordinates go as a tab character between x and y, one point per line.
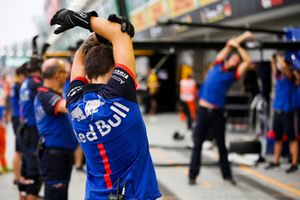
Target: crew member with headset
210	115
57	141
283	120
30	181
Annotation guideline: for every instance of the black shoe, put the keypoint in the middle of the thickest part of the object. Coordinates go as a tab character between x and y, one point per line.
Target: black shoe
291	169
272	165
261	159
80	169
16	182
192	181
230	180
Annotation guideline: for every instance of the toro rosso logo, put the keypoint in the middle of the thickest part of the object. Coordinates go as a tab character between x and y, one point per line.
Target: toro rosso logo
92	106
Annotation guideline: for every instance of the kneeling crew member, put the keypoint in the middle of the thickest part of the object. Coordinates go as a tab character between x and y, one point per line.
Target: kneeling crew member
210	114
57	141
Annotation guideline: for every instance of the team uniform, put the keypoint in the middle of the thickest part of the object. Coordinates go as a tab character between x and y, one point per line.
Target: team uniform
297	106
283	121
65	89
110	129
14	99
57	144
29	135
217	83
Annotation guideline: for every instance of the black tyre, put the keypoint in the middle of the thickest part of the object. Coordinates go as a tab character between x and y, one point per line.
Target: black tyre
245	147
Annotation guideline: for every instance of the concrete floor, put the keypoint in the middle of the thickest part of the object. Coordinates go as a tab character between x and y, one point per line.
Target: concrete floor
253	182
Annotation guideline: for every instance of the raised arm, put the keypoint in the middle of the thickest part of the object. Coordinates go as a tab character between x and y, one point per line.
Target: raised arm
78	62
117	30
246	63
222	55
121	41
273	65
227	49
245	36
286	70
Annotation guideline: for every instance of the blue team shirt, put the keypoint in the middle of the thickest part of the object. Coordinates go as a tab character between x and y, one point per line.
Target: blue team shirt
28	91
216	84
110	129
297	97
65	89
284	92
1	113
55	127
14	99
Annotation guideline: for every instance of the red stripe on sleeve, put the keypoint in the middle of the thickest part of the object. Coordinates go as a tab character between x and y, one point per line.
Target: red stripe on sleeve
42	89
217	62
106	164
82	79
56	106
128	71
236	75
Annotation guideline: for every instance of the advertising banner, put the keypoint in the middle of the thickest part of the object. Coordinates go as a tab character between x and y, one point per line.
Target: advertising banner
156	10
179	7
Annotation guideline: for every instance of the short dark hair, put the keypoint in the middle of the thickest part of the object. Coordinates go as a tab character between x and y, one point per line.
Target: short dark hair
50	72
34	65
22	70
98	61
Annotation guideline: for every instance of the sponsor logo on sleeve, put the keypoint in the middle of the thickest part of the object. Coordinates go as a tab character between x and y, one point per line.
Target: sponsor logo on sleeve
74	90
121	73
118	79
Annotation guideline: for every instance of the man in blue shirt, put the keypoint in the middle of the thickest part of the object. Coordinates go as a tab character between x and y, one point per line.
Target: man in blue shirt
57	141
20	75
30	181
210	115
297	102
105	114
283	121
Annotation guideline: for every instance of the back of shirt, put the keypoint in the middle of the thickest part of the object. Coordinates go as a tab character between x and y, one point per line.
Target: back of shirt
55	127
217	82
284	93
27	93
110	129
14	99
297	97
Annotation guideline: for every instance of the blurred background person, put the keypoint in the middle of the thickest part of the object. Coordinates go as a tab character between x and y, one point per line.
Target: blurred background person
283	119
152	88
229	66
3	121
20	75
57	141
30	181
